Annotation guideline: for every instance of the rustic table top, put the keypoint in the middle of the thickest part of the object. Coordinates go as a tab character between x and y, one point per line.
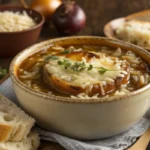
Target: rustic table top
98	13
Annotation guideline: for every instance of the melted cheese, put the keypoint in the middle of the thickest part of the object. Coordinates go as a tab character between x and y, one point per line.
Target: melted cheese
86	77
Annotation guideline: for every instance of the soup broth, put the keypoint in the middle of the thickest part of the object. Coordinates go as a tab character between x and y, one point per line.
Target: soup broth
84	71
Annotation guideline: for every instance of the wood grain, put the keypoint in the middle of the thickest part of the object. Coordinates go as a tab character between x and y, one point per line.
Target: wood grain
99	12
142	143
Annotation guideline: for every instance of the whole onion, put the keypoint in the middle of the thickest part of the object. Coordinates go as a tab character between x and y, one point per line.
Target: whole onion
69	18
46	7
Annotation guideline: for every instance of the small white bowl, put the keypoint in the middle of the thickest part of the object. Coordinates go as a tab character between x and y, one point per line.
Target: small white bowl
82	118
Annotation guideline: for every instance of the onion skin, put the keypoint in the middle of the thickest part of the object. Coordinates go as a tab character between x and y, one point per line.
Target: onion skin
46	7
69	18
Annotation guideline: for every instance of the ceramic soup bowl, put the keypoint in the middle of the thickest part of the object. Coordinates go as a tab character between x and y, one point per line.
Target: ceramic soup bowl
89	118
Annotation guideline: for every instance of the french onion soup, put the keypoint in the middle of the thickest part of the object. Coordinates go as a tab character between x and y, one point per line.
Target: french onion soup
83	71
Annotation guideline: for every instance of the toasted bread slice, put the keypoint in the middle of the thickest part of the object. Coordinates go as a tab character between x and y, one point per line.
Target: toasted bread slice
15	124
31	142
141	16
106	74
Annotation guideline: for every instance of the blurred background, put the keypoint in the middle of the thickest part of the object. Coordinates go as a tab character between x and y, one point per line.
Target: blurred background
99	12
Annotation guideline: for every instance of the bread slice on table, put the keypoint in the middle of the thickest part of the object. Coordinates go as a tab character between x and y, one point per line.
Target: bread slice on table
15	124
31	142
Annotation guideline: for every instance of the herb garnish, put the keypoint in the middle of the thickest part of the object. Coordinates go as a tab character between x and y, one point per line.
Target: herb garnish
65	63
66	51
79	66
102	70
52	57
3	72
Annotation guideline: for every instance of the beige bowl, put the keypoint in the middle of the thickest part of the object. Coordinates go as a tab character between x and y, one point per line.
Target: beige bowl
82	118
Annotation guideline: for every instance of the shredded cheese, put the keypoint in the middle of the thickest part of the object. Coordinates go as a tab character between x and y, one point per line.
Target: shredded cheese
85	78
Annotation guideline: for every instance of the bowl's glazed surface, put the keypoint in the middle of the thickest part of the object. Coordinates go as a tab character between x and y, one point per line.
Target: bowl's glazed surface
82	118
13	42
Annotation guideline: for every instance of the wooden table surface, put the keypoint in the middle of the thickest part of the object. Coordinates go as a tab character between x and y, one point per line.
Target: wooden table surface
98	13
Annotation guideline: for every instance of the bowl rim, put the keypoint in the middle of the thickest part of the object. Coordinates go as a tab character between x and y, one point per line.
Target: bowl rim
45	96
9	7
108	24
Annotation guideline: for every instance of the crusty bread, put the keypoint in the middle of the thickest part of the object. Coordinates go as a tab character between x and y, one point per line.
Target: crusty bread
15	124
31	142
90	82
136	32
135	28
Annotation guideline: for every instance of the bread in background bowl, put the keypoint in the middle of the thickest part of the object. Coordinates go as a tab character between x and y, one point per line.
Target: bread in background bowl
14	42
82	118
133	28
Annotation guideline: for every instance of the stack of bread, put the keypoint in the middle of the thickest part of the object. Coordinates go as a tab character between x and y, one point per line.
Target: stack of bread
15	128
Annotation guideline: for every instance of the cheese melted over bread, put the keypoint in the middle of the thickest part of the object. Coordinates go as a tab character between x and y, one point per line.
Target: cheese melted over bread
107	73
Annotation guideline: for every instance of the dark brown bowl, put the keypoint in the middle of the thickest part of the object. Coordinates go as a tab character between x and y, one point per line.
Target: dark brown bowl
12	43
